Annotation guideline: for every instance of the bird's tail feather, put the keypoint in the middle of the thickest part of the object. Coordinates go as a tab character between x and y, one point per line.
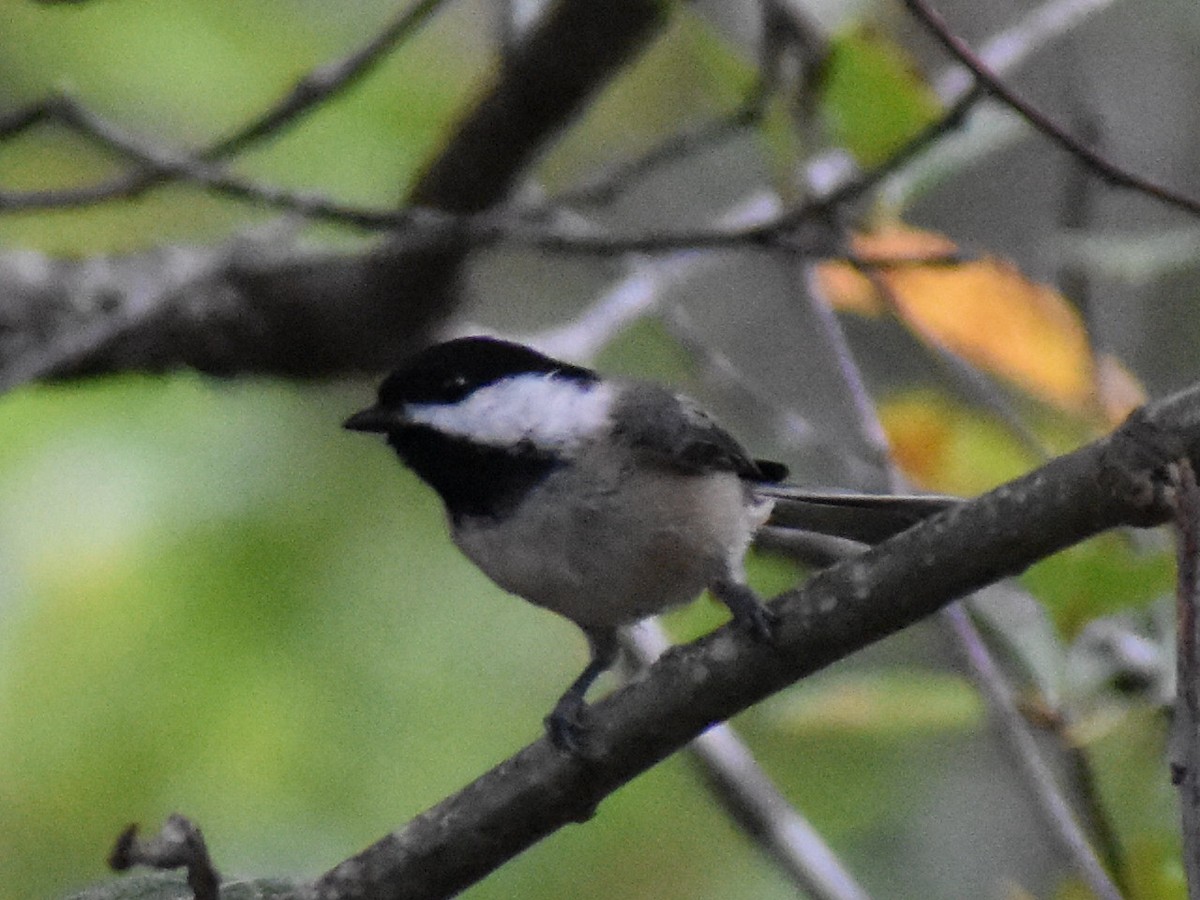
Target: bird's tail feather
866	518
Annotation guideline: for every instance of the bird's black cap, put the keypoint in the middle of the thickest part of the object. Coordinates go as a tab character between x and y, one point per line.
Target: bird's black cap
447	372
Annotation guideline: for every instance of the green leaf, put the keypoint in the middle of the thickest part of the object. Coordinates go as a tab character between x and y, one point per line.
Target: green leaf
888	704
873	98
1101	576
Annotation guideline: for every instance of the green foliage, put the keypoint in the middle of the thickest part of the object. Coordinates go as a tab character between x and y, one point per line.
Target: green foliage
884	705
1107	574
872	96
221	603
1140	802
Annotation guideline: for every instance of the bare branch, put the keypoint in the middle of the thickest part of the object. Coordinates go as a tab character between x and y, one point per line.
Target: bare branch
1055	808
256	304
962	373
326	81
1006	50
573	48
1185	736
746	792
986	674
1109	171
288	311
317	87
17	122
158	164
604	186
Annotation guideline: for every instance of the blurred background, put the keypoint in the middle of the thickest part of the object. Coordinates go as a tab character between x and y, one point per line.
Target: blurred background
214	601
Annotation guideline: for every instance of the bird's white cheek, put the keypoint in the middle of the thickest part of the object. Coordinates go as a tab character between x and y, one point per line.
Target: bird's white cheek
550	413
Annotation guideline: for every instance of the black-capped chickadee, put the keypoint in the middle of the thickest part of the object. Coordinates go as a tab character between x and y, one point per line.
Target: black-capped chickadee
604	500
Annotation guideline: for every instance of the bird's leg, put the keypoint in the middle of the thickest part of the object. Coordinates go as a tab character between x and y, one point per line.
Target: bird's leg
748	610
565	725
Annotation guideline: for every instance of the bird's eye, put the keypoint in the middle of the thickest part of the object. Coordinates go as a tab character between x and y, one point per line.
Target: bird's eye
454	385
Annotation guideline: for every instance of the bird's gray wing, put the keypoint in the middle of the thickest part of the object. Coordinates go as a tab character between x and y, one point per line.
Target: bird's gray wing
674	432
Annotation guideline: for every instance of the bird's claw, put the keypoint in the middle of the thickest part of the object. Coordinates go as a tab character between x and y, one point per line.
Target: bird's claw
566	726
762	623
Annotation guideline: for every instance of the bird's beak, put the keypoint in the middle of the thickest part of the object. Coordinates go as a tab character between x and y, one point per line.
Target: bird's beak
373	418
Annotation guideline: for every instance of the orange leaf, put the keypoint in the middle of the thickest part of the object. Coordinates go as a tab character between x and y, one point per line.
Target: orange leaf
944	446
921	436
984	310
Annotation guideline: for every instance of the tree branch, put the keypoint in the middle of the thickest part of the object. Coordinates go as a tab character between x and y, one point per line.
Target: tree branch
307	95
179	844
1112	482
575	47
747	794
255	304
1053	805
1185	729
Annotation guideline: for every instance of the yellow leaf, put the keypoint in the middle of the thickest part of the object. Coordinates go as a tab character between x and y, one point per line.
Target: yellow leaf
943	446
922	439
990	314
983	310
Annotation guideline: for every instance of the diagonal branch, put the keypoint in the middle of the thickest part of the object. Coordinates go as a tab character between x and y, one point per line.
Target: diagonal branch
308	94
986	674
1106	169
323	82
156	164
1112	482
576	47
751	799
1055	808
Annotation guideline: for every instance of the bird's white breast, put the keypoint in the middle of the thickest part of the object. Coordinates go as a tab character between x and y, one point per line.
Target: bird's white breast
606	550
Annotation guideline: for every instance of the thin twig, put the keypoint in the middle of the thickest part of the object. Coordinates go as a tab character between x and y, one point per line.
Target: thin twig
748	795
526	228
169	165
21	120
629	300
604	186
950	120
323	82
1109	171
1077	210
976	384
538	227
870	427
314	89
1050	800
640	292
958	89
1006	50
1082	778
987	675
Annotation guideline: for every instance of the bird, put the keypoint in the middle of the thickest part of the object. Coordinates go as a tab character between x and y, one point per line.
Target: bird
605	500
